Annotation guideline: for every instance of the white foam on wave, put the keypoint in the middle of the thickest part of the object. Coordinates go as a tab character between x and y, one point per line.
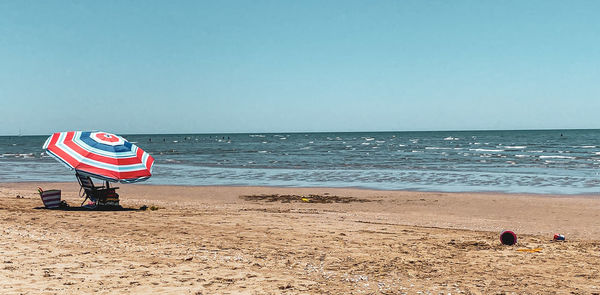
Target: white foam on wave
515	147
28	155
486	150
451	138
588	146
369	138
436	148
556	157
522	156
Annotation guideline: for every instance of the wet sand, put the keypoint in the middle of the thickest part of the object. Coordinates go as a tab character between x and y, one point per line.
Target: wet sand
265	240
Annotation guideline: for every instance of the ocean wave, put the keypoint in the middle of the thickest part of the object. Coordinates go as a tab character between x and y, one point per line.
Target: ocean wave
13	155
556	157
486	150
512	160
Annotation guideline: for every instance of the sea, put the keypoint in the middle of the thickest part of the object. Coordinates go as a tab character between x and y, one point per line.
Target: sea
524	161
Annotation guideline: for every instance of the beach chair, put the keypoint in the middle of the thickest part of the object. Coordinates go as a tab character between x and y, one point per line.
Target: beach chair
99	195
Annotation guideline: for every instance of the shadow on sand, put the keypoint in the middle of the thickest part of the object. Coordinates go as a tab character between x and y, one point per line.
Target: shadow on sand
98	208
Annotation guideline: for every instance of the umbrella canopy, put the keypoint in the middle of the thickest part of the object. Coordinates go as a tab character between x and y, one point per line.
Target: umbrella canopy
101	155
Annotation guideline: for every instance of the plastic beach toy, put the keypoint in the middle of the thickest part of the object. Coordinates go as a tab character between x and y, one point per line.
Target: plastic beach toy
530	250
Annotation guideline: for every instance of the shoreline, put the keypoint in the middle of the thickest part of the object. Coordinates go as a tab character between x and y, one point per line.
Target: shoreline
358	188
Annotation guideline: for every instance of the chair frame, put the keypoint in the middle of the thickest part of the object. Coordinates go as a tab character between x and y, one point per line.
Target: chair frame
92	192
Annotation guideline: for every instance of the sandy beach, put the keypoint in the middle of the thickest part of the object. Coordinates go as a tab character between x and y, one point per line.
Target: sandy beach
267	240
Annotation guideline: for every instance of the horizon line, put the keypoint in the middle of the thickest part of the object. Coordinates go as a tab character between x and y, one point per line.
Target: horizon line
371	131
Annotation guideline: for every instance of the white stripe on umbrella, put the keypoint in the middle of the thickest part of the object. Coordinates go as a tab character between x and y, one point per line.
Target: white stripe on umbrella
138	169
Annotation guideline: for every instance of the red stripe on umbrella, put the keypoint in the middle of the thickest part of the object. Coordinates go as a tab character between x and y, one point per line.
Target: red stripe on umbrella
103	155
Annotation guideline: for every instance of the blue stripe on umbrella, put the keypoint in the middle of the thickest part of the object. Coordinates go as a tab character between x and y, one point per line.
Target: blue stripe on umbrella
86	137
107	151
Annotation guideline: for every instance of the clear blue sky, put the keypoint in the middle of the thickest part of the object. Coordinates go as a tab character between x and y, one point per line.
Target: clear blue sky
260	66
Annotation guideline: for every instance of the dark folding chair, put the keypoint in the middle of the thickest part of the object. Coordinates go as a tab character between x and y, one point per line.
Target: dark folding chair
100	195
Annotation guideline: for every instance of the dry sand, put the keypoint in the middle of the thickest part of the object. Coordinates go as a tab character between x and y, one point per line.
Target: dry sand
213	240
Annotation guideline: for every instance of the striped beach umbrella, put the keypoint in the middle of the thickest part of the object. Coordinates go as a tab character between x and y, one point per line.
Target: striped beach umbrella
101	155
